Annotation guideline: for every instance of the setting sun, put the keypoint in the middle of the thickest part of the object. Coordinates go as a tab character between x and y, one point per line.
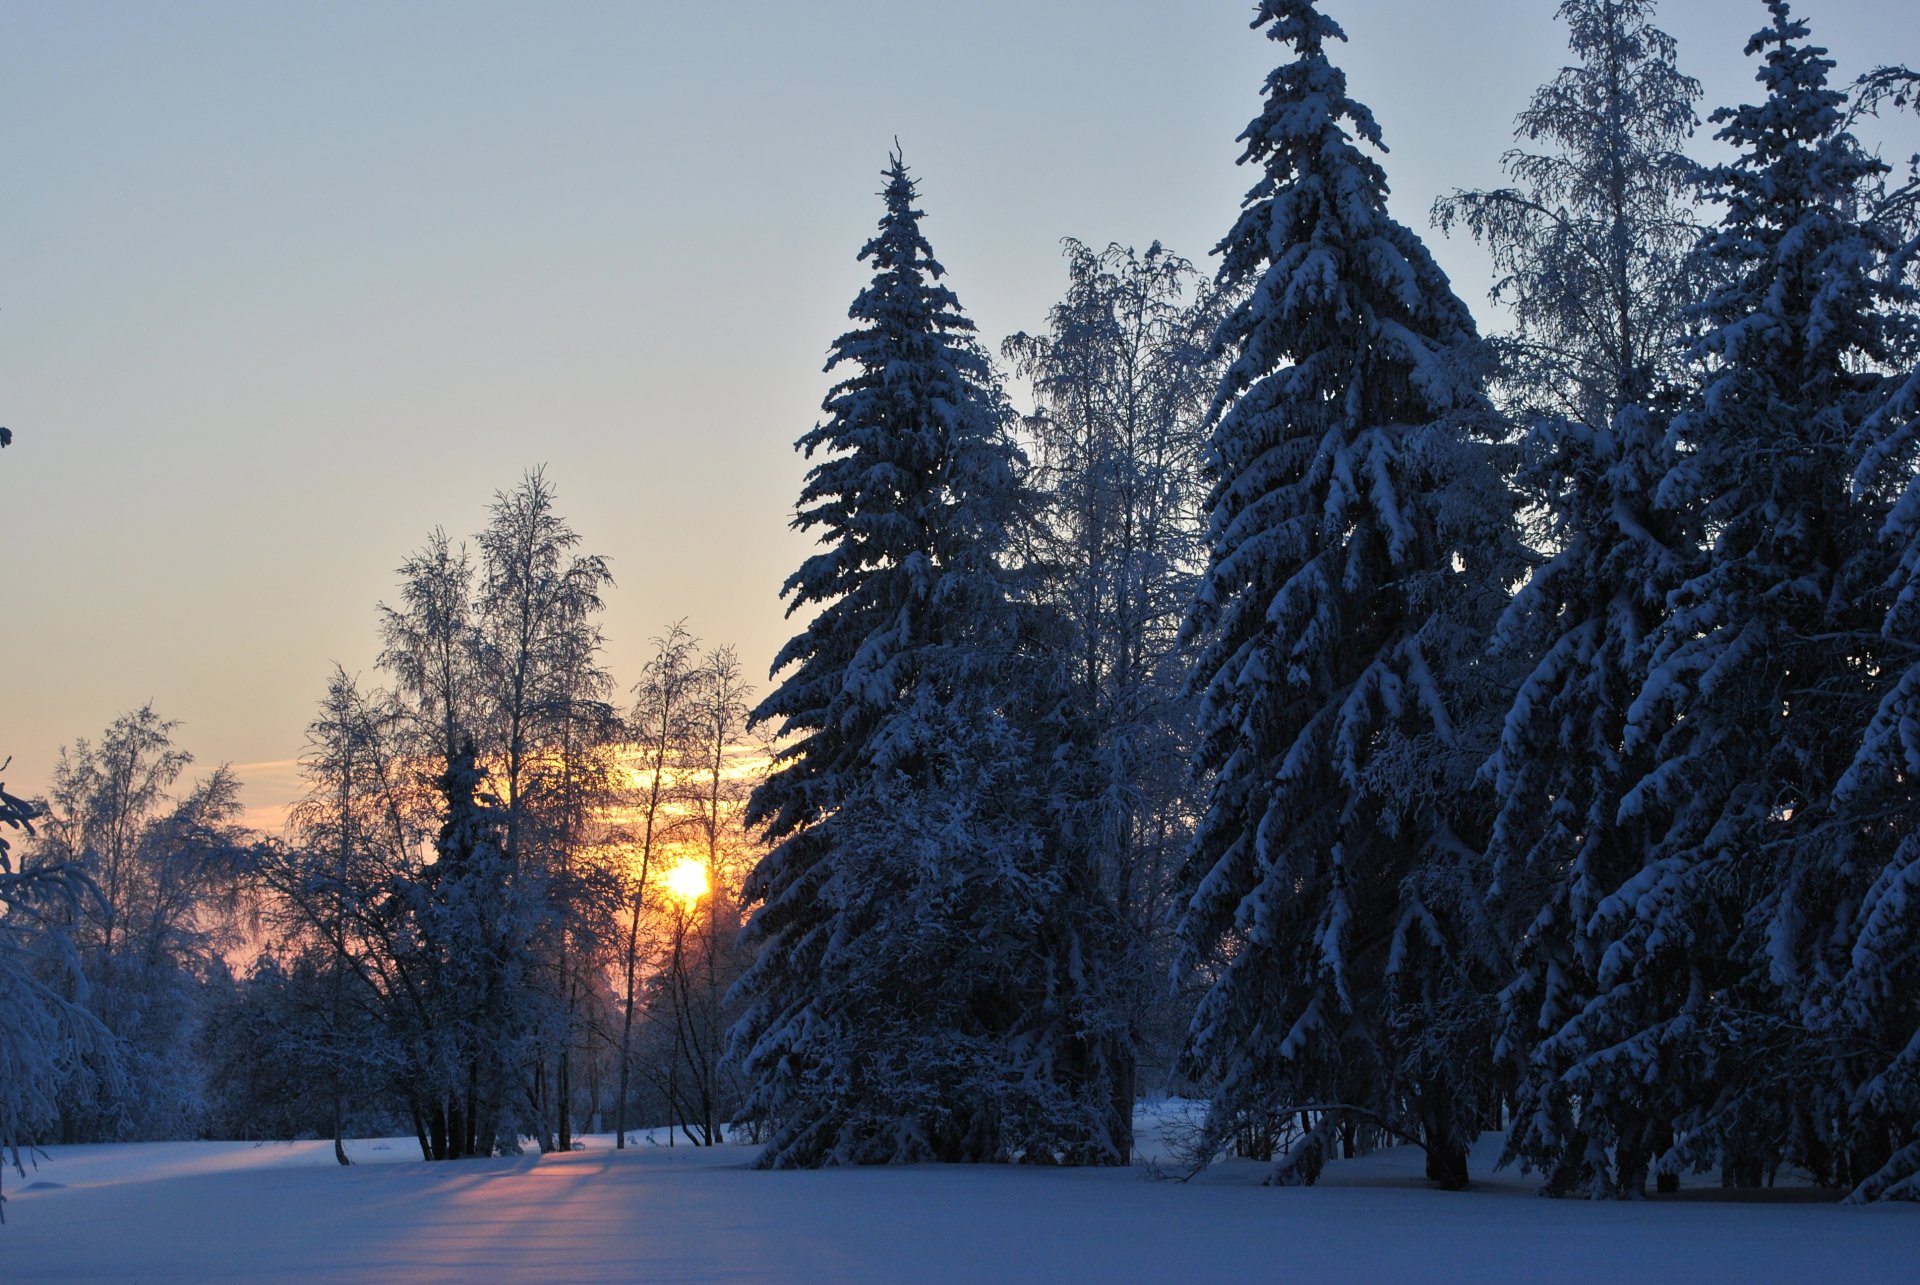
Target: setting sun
688	881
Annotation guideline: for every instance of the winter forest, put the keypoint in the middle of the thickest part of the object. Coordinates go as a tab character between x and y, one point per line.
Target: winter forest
1270	713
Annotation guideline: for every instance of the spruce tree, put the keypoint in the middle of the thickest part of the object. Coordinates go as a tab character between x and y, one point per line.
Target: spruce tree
1872	1006
1360	545
1713	954
916	993
473	935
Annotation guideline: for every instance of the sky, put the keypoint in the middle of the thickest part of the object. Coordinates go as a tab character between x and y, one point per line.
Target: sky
284	286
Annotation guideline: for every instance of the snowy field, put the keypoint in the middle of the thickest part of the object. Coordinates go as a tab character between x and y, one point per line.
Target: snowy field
192	1212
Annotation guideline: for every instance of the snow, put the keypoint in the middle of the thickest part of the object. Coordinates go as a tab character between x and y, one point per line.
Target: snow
215	1211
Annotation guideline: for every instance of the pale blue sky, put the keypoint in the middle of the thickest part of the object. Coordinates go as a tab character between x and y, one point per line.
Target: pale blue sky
282	285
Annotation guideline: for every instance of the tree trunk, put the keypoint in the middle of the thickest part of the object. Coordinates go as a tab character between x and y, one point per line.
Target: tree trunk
1126	1076
1666	1183
438	1132
1447	1166
339	1118
563	1102
419	1127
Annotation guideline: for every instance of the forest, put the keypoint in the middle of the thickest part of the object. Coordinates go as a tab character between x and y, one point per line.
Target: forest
1261	683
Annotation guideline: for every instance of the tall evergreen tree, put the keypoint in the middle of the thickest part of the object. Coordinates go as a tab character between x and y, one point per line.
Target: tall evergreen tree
1360	547
1596	251
477	928
914	995
1713	954
1874	1005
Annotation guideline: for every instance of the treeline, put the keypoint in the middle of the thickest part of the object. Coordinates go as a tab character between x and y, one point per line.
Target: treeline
1483	733
479	926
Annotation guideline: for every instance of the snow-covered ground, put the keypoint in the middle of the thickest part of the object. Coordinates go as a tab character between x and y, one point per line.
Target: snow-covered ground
193	1212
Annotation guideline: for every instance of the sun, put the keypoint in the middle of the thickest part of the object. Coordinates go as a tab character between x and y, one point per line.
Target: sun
688	881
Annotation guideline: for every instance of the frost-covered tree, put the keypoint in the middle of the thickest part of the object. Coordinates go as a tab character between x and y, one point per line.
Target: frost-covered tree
1360	548
922	984
542	692
497	667
720	778
1559	846
444	912
46	1032
545	735
1596	252
1594	245
164	870
1714	955
330	987
662	733
696	771
1123	376
47	1036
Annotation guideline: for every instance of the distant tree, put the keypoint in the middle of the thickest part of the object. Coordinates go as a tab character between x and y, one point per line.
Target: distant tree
723	768
915	994
1360	549
330	987
498	670
164	873
1122	378
662	731
1595	244
721	772
292	1054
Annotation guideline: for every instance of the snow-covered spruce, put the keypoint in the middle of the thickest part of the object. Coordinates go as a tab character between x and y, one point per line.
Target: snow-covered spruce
1717	957
1361	545
1559	846
1596	252
1875	1001
930	982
